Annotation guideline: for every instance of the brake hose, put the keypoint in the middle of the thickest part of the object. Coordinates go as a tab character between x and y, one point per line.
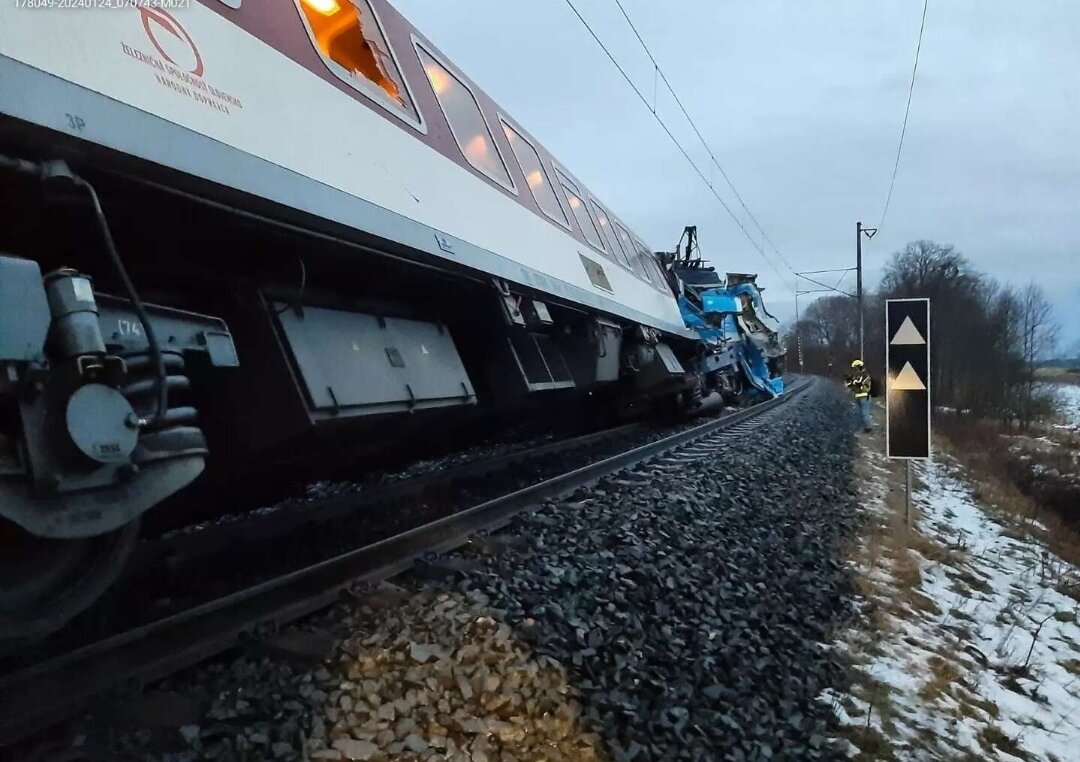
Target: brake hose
58	169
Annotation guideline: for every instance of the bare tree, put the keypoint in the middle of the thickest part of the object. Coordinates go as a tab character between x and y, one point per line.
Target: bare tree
830	333
1004	371
1038	338
958	319
985	339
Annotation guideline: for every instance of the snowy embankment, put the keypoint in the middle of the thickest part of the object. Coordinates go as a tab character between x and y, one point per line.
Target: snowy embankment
1068	398
970	645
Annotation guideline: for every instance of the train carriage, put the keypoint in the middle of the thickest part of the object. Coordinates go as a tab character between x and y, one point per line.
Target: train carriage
259	235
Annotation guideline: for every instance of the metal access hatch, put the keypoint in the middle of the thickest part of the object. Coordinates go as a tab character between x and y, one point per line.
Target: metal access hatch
353	364
540	361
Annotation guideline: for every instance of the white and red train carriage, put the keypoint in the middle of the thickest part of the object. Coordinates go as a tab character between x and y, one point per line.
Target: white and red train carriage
257	233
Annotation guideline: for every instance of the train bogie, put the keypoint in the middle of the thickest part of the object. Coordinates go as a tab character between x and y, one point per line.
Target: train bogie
81	386
95	429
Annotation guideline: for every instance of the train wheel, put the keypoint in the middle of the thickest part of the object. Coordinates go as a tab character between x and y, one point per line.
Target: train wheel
695	394
733	396
45	582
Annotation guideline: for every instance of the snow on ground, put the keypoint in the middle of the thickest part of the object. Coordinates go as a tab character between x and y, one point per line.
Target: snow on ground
969	648
1068	397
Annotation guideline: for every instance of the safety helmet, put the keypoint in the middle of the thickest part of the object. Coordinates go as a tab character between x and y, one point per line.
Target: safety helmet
856	363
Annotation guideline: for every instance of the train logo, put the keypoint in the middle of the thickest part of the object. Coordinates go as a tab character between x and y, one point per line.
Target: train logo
171	40
178	65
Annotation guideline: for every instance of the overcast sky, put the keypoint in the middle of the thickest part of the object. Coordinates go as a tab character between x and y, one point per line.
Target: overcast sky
802	104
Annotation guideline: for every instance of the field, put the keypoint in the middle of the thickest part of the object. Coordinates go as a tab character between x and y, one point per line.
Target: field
1059	375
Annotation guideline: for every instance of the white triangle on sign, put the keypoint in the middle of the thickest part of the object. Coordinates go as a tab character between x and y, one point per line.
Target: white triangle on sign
908	334
908	380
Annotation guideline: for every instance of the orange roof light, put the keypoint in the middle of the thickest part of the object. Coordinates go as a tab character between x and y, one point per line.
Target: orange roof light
440	81
535	179
325	7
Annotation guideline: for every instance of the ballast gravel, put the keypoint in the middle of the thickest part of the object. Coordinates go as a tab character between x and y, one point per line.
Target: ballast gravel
690	610
676	613
439	678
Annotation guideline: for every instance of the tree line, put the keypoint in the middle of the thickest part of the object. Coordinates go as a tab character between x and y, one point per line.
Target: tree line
986	338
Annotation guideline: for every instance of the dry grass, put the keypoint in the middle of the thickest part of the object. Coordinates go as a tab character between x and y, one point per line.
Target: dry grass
1067	438
878	548
1058	375
992	737
989	708
891	554
932	550
944	677
1073	665
906	569
874	745
981	450
892	558
890	543
972	582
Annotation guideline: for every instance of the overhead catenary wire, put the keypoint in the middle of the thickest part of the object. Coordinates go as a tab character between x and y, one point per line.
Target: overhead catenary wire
682	150
826	285
827	272
907	112
708	149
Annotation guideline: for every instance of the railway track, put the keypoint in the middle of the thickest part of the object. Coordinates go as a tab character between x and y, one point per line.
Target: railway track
45	693
187	567
217	537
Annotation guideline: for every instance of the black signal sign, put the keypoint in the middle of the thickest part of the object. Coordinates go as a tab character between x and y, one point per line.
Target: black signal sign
907	383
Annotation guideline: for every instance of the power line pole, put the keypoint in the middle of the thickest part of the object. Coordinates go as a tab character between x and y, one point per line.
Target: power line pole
798	331
859	232
858	287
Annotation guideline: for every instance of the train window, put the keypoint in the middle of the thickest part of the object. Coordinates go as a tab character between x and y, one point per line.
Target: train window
643	261
231	3
662	283
648	261
466	121
631	252
535	175
580	212
608	231
623	239
353	46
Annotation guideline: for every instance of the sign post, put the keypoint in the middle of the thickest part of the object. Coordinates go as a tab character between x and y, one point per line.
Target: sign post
907	385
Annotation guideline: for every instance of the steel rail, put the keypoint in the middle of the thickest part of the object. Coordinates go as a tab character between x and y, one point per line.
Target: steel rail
49	692
218	536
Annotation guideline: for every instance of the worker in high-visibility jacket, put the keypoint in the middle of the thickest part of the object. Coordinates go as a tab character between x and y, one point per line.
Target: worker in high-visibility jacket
860	385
